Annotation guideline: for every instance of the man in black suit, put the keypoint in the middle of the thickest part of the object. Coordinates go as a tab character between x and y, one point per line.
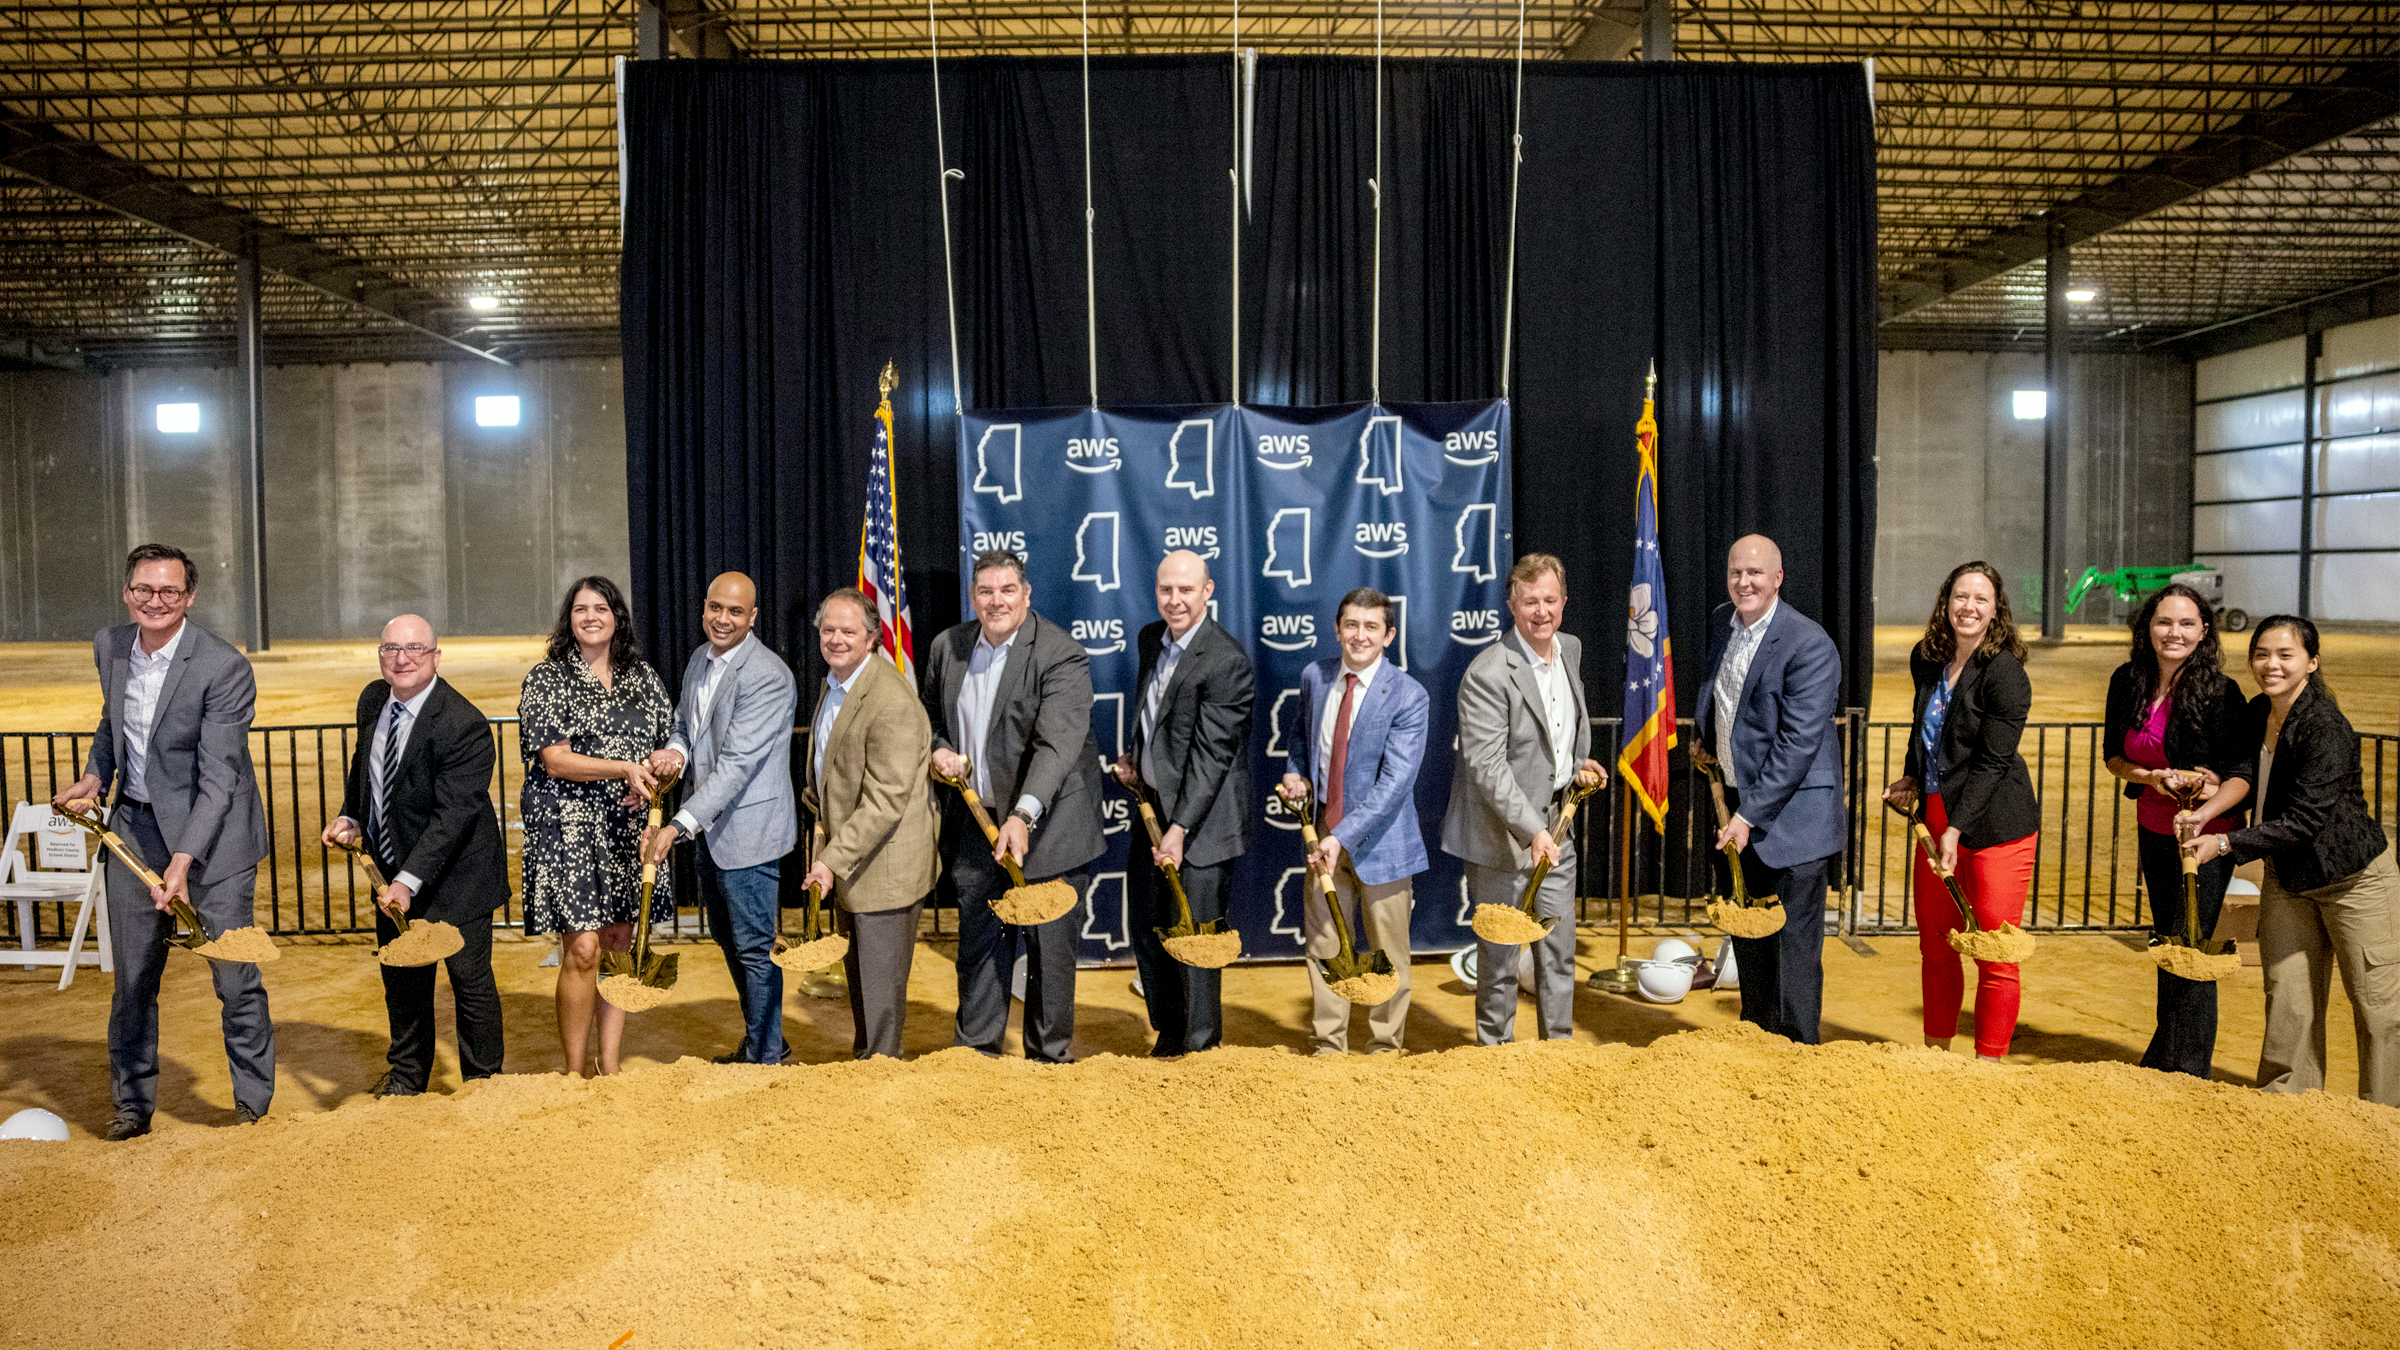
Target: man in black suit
1010	698
1192	747
419	794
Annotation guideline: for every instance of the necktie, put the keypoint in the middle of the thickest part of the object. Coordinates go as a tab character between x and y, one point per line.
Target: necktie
382	787
1339	760
1151	706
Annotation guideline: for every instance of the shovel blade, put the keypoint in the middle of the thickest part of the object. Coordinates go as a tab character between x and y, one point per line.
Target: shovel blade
616	963
659	971
1367	963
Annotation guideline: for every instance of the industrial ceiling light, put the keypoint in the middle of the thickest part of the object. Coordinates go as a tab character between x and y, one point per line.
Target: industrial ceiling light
179	418
496	410
2082	295
2030	405
488	302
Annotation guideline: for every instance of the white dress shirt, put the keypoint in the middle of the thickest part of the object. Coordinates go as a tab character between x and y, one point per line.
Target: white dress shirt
406	713
1330	711
975	694
1731	673
1558	709
1154	698
145	676
712	675
837	692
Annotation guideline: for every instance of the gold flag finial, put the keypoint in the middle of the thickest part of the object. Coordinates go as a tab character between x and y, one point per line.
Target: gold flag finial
888	380
1650	390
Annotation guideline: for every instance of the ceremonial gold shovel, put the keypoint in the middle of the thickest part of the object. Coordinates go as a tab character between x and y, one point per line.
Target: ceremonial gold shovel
637	981
375	879
414	944
1515	925
1365	981
1740	919
1211	945
1021	904
198	939
819	945
2005	945
2188	955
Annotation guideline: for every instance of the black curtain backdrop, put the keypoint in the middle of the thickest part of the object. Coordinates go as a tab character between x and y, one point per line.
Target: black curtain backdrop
783	241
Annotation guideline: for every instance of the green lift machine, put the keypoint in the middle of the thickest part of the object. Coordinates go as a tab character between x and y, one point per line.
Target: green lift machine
2131	584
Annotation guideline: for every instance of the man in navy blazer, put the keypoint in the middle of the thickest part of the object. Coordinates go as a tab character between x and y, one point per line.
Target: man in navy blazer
1767	705
1357	743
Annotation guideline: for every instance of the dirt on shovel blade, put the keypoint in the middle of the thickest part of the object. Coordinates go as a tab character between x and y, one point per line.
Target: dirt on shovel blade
1039	902
1507	925
2191	963
2006	945
423	944
808	956
1209	951
1745	921
1366	990
624	991
250	945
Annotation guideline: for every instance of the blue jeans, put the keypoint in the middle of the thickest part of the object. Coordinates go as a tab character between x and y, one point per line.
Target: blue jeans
741	915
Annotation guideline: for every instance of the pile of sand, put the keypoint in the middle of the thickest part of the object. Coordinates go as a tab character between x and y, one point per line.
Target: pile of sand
624	991
1209	951
1038	903
817	955
1745	921
1366	990
2006	945
2191	963
1507	925
1716	1189
425	942
250	945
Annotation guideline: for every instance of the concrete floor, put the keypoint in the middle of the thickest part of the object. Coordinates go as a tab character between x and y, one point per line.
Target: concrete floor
2086	998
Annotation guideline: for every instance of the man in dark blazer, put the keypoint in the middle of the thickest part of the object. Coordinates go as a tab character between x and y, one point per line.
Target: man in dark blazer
1009	695
419	797
1767	704
174	742
1191	746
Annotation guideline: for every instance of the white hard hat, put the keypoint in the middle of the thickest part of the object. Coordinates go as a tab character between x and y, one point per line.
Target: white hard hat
34	1123
1673	949
1663	981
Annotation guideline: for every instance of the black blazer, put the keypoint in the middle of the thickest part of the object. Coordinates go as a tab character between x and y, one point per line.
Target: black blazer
2226	743
439	819
1985	788
1203	755
2314	825
1039	742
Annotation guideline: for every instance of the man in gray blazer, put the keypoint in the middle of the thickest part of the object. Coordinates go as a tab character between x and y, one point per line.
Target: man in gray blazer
1523	736
174	741
733	738
1009	694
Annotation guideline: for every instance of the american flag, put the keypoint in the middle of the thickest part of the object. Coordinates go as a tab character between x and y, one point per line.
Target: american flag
1649	660
879	549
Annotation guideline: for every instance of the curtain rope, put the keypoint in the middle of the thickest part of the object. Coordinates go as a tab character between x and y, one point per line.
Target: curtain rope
1091	292
941	150
1375	185
1235	173
1516	171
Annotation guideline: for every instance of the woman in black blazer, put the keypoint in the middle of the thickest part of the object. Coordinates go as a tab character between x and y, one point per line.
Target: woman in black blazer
2332	891
1971	705
2174	727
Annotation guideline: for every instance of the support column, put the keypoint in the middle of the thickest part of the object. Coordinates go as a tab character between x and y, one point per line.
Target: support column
650	31
1658	30
2310	430
249	359
2054	435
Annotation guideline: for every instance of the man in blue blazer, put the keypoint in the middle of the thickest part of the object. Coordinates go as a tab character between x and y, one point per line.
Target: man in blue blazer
1767	705
1356	743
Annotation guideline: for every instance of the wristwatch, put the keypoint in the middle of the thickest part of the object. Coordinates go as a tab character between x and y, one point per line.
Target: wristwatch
1019	813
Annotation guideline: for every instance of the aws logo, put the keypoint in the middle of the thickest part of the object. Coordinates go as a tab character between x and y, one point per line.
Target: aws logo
1200	539
1094	454
1100	637
1471	448
1280	813
1116	815
1380	539
1285	452
1474	627
1288	632
1012	540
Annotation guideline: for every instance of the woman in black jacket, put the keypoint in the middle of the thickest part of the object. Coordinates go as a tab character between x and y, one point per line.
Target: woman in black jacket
2175	729
1971	705
2332	891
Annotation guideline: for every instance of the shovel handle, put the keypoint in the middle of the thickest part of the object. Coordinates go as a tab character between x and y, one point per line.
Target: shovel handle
93	825
1707	764
1576	792
641	921
375	879
1333	902
1933	860
1173	874
983	821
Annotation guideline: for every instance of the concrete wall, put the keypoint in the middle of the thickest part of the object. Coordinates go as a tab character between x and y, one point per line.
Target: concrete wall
1959	476
383	495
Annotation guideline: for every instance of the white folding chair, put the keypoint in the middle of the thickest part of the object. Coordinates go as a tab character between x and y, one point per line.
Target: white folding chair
68	873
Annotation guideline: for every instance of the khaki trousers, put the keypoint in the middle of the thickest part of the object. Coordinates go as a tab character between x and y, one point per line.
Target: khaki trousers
1378	917
2355	921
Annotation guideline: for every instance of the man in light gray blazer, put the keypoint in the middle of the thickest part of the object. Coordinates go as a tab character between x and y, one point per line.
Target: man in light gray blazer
733	739
174	741
1523	736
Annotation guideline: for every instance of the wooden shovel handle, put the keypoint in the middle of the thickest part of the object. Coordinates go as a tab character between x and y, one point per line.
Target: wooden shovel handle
1333	902
983	820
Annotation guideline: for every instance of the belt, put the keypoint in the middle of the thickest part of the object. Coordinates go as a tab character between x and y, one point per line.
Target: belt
134	801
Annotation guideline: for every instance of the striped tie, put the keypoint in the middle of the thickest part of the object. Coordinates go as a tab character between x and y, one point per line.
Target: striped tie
380	789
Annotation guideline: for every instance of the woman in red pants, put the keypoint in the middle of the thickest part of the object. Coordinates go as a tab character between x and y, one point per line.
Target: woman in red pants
1972	701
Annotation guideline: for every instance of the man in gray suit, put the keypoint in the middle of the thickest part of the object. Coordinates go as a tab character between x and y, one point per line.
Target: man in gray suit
1009	694
733	737
1523	736
174	741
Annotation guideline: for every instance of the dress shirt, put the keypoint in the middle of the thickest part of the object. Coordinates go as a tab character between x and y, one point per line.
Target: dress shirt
1331	710
836	692
144	678
406	712
1154	699
704	698
1731	672
975	695
1558	709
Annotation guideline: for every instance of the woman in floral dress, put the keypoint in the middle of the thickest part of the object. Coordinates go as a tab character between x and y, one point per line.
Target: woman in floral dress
588	718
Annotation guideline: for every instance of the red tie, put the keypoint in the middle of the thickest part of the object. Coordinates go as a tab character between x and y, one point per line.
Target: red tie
1339	760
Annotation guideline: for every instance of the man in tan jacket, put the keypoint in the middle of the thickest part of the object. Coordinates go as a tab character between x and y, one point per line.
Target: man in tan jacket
870	756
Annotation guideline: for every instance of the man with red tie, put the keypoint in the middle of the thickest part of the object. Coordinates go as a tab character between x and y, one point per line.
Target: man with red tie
1356	743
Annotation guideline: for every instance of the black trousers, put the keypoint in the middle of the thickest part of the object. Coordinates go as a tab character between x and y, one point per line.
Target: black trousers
987	952
883	945
474	995
1186	1006
1782	974
2186	1039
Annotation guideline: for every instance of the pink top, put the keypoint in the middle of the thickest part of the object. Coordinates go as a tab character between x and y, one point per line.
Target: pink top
2146	745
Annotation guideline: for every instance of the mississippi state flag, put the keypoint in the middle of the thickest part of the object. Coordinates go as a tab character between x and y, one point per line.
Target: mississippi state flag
1649	664
879	551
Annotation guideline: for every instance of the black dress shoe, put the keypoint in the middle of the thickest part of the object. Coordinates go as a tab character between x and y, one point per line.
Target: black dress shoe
243	1115
393	1085
127	1126
736	1056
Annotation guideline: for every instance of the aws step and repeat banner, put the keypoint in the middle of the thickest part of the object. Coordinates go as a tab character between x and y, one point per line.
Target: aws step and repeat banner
1292	507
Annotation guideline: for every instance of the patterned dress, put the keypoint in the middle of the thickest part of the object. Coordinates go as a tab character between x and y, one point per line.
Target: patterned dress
583	866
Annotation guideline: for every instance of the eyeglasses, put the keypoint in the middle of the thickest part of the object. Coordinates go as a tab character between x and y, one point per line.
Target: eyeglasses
414	651
146	594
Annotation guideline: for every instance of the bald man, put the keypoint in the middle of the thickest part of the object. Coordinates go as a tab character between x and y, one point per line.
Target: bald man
419	799
732	740
1767	705
1191	751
